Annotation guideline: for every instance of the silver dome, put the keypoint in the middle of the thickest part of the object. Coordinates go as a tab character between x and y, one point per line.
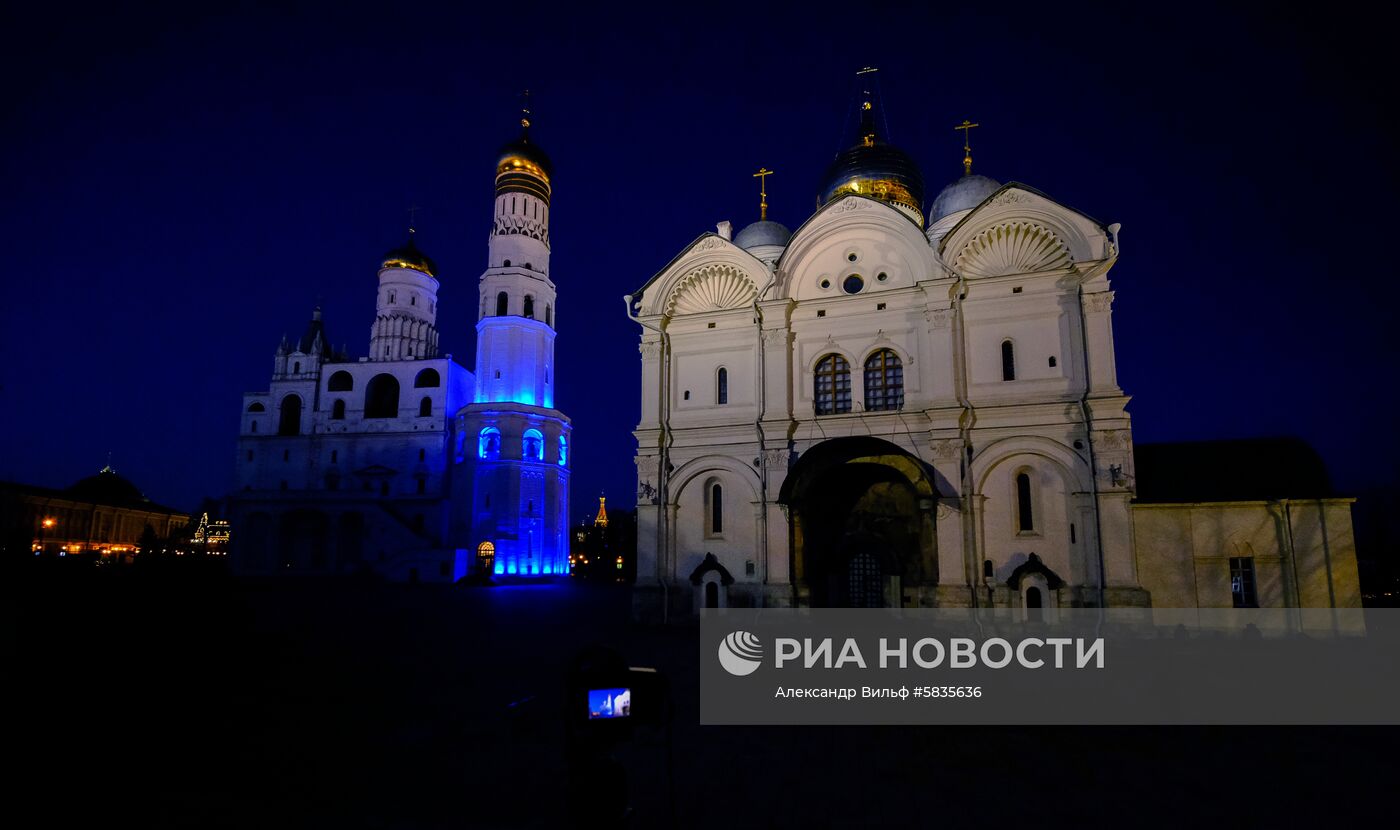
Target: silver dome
763	233
965	193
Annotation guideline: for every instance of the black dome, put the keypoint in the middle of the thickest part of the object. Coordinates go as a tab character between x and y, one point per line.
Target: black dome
107	488
877	170
408	256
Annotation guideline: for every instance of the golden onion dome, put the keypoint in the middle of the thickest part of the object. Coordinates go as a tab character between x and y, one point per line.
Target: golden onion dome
875	169
408	256
524	168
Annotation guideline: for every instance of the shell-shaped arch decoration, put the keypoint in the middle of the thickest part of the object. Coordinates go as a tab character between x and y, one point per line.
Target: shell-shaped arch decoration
1013	248
712	288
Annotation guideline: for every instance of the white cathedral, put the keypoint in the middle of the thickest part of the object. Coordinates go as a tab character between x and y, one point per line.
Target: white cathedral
402	461
894	407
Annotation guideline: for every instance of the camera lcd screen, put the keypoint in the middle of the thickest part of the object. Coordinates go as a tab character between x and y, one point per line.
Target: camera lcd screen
609	703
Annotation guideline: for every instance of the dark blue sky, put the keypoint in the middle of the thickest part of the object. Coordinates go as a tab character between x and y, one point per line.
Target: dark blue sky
181	185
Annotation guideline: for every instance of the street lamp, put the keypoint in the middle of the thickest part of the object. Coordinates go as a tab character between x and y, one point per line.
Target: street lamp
44	526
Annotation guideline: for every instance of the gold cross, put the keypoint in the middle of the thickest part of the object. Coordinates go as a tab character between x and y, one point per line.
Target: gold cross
966	127
762	176
525	111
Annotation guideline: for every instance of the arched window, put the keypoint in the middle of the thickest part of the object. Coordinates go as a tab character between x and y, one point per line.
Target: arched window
425	408
413	300
1008	360
548	314
884	381
1025	515
428	378
256	407
714	495
489	443
382	397
532	445
391	297
338	411
833	385
341	382
722	385
290	422
563	451
502	304
529	307
296	368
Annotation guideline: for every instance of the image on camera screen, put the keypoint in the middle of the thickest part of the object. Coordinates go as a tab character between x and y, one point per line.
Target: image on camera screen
609	703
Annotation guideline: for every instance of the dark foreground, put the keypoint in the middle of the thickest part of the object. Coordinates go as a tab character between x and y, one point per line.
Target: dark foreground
189	699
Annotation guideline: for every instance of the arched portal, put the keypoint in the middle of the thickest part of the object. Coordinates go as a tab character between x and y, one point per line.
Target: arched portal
861	514
486	558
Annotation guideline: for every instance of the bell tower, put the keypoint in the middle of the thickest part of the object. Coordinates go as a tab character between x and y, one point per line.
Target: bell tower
515	324
405	316
514	444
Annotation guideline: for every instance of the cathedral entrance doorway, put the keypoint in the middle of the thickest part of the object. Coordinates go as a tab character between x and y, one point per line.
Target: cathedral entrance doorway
861	522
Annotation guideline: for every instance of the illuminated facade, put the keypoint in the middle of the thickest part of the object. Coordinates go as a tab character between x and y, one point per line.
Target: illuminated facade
103	515
911	405
404	462
515	443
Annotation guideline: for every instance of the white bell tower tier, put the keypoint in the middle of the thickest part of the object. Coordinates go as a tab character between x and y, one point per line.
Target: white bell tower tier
405	318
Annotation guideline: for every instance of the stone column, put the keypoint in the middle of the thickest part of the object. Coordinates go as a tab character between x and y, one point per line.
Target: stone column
937	371
1098	333
776	401
776	553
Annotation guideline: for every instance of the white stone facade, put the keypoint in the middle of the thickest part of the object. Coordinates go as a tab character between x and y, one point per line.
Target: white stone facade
1005	472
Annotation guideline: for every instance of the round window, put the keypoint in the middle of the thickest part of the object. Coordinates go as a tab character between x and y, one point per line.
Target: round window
882	276
853	284
825	283
851	257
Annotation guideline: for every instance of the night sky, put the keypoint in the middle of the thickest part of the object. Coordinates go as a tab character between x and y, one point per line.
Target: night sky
180	187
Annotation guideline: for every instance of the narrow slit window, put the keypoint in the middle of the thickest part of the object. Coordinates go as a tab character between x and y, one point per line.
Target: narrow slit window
1025	515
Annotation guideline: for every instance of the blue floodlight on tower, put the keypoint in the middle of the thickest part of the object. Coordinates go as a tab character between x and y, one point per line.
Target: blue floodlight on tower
519	475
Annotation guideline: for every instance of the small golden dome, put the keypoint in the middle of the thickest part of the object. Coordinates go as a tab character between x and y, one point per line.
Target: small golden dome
408	256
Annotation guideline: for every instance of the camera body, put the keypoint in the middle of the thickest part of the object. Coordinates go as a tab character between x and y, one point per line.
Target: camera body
605	698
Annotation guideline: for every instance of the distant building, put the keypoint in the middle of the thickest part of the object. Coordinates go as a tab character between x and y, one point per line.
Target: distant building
103	514
913	402
402	461
605	548
211	538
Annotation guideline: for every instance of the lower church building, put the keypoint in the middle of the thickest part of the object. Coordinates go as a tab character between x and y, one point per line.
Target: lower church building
916	404
402	461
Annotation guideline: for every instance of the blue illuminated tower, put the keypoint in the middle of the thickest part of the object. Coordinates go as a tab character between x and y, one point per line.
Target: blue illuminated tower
513	444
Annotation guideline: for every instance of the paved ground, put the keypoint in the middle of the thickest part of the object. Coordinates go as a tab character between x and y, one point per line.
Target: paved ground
207	702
